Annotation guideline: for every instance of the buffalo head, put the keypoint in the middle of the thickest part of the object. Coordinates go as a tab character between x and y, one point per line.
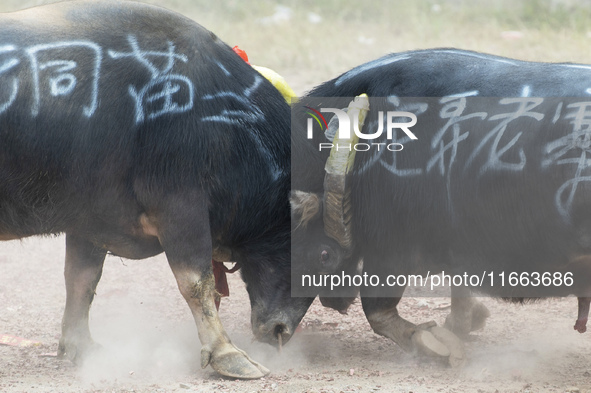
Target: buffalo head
322	238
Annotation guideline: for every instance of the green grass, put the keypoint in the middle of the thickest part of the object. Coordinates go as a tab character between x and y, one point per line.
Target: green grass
350	34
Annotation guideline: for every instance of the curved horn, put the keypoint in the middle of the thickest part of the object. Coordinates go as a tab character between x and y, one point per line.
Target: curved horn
337	198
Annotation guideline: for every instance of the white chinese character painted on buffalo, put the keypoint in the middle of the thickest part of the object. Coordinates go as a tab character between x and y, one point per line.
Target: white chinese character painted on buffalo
5	67
572	149
452	110
61	78
387	157
447	139
164	92
495	153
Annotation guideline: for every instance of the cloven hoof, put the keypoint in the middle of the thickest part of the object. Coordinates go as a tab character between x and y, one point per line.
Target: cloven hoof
229	361
440	342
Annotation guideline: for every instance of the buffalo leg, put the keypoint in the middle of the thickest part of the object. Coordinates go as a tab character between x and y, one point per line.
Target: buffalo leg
83	269
183	230
467	314
382	315
581	323
581	269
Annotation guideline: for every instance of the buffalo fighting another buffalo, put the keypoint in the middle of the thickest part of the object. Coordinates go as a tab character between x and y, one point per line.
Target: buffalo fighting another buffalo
134	131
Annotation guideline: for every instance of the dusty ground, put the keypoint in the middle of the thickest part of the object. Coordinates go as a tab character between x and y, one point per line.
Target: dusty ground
151	345
150	341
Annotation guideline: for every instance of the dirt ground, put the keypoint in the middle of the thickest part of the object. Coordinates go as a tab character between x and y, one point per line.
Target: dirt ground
149	338
151	345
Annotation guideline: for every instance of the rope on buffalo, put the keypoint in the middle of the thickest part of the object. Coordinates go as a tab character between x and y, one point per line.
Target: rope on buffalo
221	281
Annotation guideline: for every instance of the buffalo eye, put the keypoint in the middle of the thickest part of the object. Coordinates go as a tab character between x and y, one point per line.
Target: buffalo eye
324	256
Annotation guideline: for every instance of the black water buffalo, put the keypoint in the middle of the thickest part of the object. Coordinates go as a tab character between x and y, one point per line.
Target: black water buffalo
135	131
496	185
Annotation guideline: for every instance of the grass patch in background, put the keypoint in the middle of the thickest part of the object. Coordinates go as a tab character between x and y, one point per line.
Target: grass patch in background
312	41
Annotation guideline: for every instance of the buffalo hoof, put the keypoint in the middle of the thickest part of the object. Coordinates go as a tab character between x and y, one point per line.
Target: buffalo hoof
440	342
457	353
230	361
77	350
467	319
581	325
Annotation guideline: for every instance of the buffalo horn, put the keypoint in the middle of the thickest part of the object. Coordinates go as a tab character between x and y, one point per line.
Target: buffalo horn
337	192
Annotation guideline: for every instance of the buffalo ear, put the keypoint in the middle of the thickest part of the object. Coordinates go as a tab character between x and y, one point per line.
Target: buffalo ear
305	206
